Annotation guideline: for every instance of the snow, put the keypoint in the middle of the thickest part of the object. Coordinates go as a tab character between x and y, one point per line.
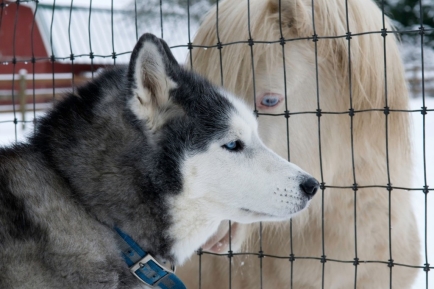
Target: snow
419	197
117	4
9	133
86	31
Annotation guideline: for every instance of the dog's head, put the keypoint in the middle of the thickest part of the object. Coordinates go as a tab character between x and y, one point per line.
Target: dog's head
208	152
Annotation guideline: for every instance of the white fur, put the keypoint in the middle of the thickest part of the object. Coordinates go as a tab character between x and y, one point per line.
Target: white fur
251	185
368	92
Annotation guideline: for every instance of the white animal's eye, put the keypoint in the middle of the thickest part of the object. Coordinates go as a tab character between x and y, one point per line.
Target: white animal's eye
233	146
270	99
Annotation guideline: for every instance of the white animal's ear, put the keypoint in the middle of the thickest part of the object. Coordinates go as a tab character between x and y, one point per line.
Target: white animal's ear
149	80
294	14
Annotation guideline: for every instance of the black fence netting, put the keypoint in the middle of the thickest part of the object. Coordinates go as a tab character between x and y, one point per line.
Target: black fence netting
342	88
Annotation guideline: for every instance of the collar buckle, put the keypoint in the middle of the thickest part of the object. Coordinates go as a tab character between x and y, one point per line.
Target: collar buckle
144	267
149	271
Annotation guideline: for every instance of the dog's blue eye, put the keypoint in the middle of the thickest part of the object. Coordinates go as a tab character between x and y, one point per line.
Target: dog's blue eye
270	100
233	146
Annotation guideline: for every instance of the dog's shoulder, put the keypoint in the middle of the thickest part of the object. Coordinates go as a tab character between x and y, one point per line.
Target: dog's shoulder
16	223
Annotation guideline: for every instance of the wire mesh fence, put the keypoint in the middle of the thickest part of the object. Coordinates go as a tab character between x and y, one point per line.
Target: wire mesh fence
46	49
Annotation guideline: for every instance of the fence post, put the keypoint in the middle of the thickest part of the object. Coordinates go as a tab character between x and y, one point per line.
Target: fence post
22	96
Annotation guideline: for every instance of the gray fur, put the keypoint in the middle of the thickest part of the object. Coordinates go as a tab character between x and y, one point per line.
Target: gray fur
90	166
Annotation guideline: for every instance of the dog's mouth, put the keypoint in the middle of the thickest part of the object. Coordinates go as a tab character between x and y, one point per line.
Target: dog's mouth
219	242
258	214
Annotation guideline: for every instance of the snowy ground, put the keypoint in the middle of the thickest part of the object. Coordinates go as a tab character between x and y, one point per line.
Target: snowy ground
9	132
419	198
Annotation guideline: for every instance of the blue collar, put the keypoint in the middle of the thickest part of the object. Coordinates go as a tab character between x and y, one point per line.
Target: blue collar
144	267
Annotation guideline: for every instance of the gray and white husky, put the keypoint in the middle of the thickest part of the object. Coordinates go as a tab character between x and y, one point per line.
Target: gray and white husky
150	153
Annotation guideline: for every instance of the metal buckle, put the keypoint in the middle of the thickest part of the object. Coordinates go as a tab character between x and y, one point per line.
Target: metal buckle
172	266
153	279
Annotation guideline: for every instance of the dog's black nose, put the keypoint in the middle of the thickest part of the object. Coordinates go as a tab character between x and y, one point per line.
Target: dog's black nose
309	186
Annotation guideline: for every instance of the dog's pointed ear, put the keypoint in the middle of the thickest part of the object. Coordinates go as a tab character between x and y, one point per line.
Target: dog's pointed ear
149	77
293	14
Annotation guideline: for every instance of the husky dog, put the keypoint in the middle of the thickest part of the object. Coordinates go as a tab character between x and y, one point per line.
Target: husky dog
284	79
150	155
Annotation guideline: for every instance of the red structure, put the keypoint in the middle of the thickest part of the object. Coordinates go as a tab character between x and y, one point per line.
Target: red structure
80	40
22	46
20	39
16	40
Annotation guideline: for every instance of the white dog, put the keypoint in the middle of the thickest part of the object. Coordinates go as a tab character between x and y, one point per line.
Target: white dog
355	222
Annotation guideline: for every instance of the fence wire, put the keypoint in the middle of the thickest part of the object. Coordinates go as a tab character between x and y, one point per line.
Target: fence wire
53	58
